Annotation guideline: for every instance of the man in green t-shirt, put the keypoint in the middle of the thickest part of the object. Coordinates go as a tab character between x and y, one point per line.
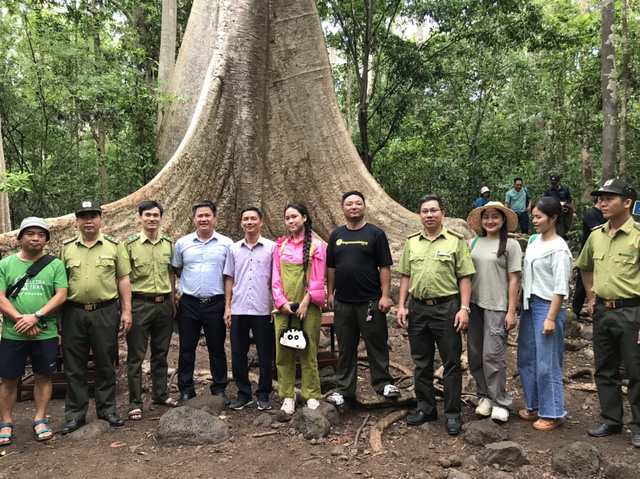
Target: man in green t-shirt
29	326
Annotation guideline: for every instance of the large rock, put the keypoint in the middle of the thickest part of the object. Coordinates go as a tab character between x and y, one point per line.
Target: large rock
92	430
208	403
620	470
186	425
578	459
572	327
485	431
506	454
311	423
330	412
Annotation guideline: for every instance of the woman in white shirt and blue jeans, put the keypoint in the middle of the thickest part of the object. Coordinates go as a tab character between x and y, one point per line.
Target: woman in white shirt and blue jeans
545	287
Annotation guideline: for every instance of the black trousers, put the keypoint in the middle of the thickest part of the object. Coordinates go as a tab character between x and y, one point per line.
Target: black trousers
579	295
615	339
523	221
263	337
193	317
428	326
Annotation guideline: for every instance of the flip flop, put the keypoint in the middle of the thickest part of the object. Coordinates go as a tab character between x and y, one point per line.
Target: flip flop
170	402
391	391
546	424
38	434
6	436
135	415
528	414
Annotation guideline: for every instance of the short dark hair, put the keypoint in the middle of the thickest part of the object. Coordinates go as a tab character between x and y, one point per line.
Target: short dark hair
251	208
351	193
430	197
517	179
149	205
204	204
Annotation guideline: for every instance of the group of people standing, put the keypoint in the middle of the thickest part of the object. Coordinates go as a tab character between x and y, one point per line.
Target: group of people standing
105	288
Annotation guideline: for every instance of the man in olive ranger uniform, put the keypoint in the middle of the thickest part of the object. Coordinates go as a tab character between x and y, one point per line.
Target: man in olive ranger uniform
436	266
98	269
610	267
152	306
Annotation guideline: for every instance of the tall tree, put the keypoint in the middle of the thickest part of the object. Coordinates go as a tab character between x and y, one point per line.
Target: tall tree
5	216
167	50
624	85
609	89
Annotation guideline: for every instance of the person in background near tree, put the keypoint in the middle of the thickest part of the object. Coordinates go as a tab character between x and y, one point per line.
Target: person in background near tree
152	307
611	274
518	200
248	306
484	197
561	193
436	269
29	327
299	262
590	221
545	286
359	287
494	297
198	260
98	269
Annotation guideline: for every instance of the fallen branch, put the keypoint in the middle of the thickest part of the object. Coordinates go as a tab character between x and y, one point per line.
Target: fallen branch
375	434
408	398
355	441
582	372
406	371
263	434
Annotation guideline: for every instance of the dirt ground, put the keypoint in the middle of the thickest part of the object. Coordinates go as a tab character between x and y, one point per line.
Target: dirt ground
131	451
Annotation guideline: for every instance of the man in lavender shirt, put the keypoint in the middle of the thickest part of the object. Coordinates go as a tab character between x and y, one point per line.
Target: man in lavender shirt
248	305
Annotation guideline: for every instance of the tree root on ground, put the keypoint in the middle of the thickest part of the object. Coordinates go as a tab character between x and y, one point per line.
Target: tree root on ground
375	434
357	438
407	399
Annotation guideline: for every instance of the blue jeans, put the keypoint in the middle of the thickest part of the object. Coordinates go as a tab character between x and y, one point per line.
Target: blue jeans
540	360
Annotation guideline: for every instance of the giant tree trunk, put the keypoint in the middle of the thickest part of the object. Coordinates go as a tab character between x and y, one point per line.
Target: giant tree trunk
259	125
609	79
5	216
167	58
624	84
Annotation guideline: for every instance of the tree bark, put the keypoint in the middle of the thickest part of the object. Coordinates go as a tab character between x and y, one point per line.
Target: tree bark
259	125
609	103
167	55
5	215
624	84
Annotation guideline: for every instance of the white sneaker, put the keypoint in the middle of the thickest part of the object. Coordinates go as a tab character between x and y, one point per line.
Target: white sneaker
484	407
500	414
313	403
336	399
289	405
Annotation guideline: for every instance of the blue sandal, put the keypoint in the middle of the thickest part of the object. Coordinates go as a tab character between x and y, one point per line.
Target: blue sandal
6	436
38	434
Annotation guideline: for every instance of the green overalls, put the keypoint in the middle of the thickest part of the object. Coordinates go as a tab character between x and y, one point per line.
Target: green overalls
295	291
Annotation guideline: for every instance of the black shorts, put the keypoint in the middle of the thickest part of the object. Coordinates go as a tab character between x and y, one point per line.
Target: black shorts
13	357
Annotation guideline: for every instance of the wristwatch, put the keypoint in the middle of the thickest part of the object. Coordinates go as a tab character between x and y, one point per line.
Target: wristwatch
466	308
39	314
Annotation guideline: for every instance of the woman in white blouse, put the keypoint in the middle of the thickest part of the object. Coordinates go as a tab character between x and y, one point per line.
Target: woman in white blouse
545	287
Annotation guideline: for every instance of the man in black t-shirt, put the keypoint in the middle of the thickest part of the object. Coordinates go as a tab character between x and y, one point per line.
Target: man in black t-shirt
359	283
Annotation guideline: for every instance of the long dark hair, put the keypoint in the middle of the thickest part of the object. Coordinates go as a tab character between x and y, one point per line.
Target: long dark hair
306	244
502	246
552	207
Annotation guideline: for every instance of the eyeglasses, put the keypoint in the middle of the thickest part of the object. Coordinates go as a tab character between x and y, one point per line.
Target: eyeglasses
432	211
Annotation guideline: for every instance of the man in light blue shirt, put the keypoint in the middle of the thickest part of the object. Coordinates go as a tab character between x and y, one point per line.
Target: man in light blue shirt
198	260
519	201
248	305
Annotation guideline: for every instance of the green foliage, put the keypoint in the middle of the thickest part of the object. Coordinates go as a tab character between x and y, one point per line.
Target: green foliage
13	183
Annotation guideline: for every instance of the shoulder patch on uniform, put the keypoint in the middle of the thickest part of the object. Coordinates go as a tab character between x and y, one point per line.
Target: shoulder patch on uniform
600	226
414	234
131	239
456	234
70	240
112	239
168	238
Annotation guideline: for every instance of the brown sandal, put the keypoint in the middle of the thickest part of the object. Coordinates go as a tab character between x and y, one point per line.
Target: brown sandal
135	415
547	424
528	414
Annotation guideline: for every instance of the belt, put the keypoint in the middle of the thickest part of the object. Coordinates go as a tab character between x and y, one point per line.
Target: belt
91	306
151	299
434	301
209	300
618	303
